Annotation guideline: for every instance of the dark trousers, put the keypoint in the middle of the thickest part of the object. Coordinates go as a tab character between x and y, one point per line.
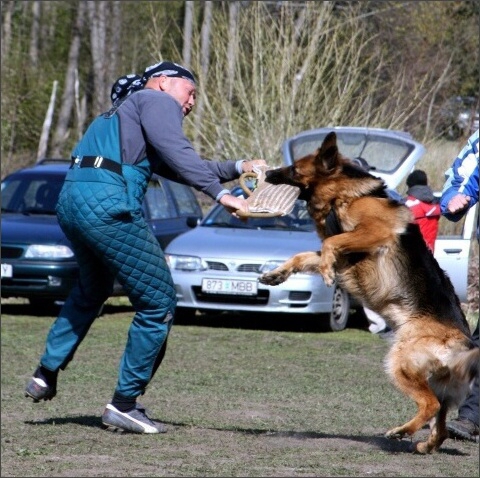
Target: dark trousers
469	408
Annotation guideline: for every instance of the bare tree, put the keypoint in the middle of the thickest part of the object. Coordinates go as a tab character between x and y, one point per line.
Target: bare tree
80	107
187	33
47	123
34	33
7	10
232	45
114	41
232	52
97	12
204	61
65	115
300	66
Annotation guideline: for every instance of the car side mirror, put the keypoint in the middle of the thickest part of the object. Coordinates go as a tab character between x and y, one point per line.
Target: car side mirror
193	221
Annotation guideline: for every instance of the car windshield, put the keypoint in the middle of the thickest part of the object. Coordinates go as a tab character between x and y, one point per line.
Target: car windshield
31	194
297	220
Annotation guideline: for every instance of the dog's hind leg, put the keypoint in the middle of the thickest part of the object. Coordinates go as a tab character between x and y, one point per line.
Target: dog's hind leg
302	262
416	387
438	432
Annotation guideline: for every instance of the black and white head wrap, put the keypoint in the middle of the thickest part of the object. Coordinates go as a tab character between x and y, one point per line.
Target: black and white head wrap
127	84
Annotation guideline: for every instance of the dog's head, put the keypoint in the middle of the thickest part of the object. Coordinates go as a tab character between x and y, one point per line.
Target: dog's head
326	165
305	171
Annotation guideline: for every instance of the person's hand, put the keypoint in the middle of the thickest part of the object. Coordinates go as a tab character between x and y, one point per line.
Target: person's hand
233	204
458	203
248	166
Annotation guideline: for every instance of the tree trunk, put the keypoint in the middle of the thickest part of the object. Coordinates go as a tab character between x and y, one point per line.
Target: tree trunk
68	97
80	107
97	19
232	49
47	123
113	44
34	33
205	60
187	33
7	10
232	45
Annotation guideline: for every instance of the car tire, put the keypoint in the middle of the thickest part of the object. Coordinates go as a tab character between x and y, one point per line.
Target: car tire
185	313
44	305
338	318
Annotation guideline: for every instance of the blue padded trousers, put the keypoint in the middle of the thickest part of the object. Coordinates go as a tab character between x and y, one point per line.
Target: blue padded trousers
100	213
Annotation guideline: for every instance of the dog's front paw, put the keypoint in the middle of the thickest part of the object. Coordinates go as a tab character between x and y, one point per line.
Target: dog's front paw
273	278
328	275
395	433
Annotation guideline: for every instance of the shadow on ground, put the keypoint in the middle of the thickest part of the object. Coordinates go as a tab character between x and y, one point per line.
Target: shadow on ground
231	320
276	322
376	441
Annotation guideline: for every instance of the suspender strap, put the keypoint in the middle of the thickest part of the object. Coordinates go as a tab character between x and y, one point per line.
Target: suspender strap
98	162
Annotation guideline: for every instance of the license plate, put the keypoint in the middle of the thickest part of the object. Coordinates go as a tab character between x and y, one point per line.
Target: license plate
229	286
7	270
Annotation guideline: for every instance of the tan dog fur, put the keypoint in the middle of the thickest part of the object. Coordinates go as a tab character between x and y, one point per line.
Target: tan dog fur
379	256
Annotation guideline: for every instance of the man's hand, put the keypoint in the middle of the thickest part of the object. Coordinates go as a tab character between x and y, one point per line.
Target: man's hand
458	203
233	204
248	166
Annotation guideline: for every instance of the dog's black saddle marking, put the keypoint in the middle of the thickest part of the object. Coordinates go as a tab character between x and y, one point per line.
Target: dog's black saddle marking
332	224
334	227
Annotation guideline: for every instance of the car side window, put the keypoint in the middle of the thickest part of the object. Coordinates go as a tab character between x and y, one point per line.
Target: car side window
36	194
185	199
157	201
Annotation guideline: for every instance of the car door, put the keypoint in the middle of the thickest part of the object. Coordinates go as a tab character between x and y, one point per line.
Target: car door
453	248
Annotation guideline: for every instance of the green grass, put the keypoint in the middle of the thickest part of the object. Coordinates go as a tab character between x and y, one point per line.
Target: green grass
284	400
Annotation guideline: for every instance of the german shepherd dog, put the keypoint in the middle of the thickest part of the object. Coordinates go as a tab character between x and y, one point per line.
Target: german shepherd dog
375	251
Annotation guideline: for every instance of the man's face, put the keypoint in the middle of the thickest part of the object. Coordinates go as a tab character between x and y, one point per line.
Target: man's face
182	90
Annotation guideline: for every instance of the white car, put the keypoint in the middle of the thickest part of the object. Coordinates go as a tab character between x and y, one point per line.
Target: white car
216	265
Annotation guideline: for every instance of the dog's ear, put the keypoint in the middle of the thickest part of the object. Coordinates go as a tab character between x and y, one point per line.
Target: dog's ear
327	155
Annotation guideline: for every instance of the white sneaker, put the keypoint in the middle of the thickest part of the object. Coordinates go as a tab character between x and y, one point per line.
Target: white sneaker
135	421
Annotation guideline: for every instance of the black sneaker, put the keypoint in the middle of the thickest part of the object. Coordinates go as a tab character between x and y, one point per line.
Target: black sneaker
134	421
463	429
39	390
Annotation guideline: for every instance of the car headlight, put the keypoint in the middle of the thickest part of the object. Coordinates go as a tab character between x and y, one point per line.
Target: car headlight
41	251
269	266
185	263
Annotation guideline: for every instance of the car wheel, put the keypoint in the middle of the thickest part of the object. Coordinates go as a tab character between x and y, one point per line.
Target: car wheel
340	309
43	305
185	313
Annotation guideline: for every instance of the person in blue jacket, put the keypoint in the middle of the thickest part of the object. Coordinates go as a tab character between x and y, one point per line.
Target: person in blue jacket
460	193
99	209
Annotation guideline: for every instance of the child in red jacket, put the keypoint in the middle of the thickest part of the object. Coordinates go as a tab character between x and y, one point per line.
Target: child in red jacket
424	206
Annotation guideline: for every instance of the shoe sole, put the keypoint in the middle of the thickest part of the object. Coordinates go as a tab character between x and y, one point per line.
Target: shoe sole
115	421
114	429
36	399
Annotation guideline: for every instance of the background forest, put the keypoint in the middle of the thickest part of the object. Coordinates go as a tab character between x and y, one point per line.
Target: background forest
266	70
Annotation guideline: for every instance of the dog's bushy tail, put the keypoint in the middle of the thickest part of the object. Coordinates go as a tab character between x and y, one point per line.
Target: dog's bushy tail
466	364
